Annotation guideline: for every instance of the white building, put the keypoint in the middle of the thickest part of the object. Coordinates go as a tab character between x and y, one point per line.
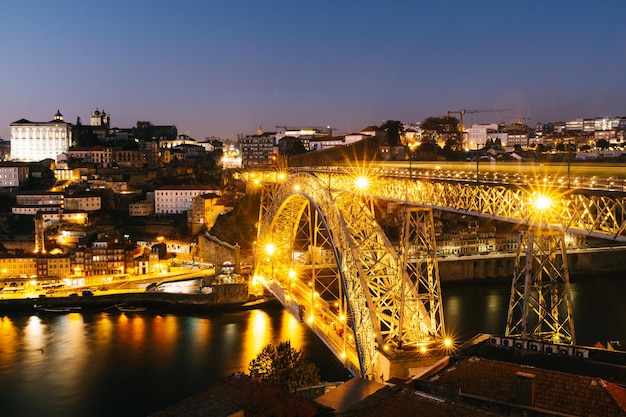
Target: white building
36	141
477	135
33	210
85	202
13	175
45	198
176	199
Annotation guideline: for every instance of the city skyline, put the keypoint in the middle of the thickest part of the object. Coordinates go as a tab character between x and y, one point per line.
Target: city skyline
222	69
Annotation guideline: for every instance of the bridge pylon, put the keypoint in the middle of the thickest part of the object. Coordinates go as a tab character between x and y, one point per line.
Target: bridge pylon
418	252
540	307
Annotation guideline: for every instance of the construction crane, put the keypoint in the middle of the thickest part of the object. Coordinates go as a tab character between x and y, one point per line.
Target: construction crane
462	112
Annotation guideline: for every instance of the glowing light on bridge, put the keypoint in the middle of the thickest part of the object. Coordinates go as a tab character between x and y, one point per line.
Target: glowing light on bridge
542	202
361	182
270	249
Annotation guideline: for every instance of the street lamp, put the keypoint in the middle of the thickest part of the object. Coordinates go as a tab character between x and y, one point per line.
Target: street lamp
292	276
569	156
477	160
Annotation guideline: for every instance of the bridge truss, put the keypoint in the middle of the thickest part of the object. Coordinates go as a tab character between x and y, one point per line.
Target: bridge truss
330	263
353	275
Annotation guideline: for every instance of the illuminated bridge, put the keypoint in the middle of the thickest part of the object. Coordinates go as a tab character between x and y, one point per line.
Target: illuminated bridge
378	306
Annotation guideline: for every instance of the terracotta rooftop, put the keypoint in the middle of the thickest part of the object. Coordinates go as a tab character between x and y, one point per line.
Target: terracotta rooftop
243	395
394	402
348	393
527	386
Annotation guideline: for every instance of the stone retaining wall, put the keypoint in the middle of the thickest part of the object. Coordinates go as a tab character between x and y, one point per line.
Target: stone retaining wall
492	267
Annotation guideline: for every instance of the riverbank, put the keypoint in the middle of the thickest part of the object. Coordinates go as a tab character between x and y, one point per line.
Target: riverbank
501	266
222	297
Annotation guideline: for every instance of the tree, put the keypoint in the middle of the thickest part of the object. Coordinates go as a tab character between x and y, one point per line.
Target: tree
394	130
444	128
83	135
602	144
283	367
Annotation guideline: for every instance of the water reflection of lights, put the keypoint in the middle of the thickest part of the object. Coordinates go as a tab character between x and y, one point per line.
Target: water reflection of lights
104	328
453	305
132	330
257	335
9	339
33	333
165	330
292	331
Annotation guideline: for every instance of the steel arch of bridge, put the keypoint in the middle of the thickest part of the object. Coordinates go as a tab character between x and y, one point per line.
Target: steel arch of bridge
329	257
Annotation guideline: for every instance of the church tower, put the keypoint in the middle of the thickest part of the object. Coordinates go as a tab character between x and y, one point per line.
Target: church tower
99	118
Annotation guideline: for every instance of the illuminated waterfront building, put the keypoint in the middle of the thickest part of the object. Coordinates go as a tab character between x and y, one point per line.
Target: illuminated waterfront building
26	266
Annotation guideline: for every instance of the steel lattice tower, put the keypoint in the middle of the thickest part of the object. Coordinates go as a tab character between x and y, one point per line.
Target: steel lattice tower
419	255
540	307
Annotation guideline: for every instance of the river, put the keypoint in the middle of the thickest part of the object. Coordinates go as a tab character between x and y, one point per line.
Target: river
108	363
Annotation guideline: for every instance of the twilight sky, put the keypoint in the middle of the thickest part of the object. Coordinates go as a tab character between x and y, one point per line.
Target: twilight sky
218	68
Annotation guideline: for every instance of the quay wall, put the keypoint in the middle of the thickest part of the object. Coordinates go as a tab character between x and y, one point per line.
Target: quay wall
584	262
223	297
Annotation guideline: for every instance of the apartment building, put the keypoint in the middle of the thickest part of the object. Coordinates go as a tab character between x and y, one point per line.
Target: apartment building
13	174
177	199
141	209
258	151
83	202
27	266
98	155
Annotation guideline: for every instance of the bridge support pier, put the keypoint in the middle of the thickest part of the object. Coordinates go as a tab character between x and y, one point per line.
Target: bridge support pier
404	364
540	306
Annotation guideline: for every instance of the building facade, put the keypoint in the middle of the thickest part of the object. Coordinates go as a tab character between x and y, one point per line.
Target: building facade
258	151
177	199
36	141
13	175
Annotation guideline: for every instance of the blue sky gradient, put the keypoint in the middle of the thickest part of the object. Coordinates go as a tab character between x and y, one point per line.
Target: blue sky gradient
218	68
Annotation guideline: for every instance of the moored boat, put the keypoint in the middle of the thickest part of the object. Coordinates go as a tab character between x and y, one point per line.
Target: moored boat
130	309
57	309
